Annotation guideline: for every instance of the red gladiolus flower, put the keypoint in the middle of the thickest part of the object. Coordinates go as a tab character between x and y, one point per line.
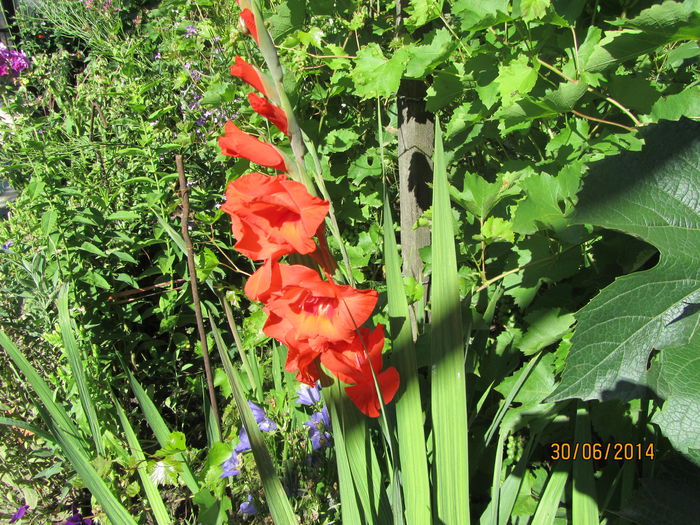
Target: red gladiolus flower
263	107
249	22
237	143
248	74
271	217
316	312
351	364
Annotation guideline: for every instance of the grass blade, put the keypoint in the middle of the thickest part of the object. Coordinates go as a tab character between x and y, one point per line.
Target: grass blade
160	428
409	414
549	504
448	387
349	506
65	434
277	501
584	508
152	494
26	426
76	365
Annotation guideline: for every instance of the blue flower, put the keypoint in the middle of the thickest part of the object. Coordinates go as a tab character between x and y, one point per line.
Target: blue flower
230	466
309	395
19	514
191	31
247	507
318	425
265	424
6	247
243	443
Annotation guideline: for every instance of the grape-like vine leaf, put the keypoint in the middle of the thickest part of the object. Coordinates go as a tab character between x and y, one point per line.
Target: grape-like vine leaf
653	194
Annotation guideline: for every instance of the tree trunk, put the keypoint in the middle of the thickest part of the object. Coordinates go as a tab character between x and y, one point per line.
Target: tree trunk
416	142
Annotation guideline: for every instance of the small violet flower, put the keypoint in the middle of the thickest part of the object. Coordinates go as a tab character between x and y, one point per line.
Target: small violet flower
243	442
309	395
318	425
157	56
265	424
77	518
230	466
19	514
247	507
6	247
191	31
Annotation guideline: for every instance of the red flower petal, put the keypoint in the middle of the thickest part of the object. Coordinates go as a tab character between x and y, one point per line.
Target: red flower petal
248	74
364	395
249	21
273	216
264	107
236	143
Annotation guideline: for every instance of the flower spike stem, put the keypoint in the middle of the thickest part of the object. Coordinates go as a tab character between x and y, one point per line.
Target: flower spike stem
269	53
195	291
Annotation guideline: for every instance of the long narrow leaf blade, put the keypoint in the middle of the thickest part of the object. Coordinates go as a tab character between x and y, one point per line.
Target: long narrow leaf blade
64	433
160	428
76	365
448	387
409	414
277	501
549	504
155	500
349	507
584	507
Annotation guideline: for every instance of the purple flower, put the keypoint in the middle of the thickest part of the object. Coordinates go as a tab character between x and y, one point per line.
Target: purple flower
77	518
243	442
19	514
230	466
318	425
12	62
247	507
157	56
191	31
265	424
309	395
195	75
6	247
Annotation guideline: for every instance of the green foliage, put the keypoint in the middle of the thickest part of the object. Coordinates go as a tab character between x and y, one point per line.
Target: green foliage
534	96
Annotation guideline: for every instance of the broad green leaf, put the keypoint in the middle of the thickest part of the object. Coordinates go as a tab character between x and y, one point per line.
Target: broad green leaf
480	196
481	15
374	75
447	85
547	200
91	248
530	9
651	29
288	16
675	378
448	381
422	12
538	385
545	327
555	102
423	59
653	194
516	79
683	104
218	93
